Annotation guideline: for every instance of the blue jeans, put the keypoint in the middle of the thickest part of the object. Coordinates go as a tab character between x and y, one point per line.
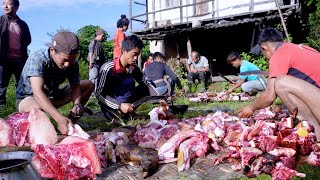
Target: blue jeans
7	68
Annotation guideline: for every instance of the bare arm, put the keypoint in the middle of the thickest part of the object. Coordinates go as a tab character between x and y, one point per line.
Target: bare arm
76	94
264	100
203	69
235	86
37	84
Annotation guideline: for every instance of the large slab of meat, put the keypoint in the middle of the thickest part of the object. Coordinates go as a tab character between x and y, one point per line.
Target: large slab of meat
222	96
27	129
72	158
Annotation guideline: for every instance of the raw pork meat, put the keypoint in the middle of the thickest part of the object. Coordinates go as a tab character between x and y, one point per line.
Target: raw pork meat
284	173
314	159
5	133
19	124
72	158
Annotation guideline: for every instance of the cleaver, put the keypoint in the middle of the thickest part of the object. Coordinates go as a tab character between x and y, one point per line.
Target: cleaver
147	99
224	77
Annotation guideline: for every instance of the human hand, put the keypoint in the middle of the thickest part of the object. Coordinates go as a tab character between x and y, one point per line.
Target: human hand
126	107
194	71
77	110
245	112
63	124
229	91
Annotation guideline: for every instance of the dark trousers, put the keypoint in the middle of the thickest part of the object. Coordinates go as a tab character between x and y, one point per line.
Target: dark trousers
137	93
201	76
7	68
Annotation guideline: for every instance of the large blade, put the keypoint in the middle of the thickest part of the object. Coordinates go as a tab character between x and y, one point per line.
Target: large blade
254	73
221	75
147	99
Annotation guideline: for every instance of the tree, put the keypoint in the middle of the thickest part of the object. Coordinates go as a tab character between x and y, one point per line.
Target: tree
314	24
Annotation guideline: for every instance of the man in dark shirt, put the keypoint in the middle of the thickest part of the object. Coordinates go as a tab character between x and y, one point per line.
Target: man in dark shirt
14	40
155	76
96	56
116	88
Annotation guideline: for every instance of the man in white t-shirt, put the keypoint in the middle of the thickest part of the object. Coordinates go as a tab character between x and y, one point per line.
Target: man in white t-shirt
198	68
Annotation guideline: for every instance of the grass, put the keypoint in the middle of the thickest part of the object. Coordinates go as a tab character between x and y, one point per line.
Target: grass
98	122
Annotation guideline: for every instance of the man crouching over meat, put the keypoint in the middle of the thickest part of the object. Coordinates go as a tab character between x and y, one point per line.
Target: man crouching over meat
44	72
116	87
294	77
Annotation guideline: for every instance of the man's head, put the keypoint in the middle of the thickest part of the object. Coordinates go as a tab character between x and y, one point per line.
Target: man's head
150	57
195	56
64	49
158	56
100	34
123	23
10	7
268	40
131	47
234	59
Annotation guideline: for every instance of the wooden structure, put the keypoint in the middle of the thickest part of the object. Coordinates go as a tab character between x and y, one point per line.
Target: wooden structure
175	27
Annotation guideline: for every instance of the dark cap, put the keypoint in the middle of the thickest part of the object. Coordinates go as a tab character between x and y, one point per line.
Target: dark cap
99	32
65	42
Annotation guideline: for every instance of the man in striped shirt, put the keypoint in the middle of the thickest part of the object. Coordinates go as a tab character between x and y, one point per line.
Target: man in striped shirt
116	87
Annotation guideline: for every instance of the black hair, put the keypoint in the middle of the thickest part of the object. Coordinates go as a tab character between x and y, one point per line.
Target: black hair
150	55
232	57
123	21
158	54
270	35
132	42
16	3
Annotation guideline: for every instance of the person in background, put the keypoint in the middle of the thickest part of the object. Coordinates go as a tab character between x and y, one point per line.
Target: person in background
96	55
14	40
122	25
116	88
149	60
44	73
249	84
155	77
198	68
294	77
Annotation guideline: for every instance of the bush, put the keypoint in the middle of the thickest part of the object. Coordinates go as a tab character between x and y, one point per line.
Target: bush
258	60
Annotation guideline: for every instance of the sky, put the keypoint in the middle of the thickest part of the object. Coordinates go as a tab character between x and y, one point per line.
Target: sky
48	16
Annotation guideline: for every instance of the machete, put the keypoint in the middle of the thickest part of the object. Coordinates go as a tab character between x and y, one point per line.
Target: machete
147	99
254	73
221	75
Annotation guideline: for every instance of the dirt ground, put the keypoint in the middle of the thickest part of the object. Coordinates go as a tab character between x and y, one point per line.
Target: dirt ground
201	168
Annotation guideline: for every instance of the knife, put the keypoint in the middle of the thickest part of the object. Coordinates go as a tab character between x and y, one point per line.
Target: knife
147	99
221	75
254	72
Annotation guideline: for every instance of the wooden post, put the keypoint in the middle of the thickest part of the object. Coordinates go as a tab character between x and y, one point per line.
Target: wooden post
178	54
181	12
189	48
130	14
147	15
154	14
251	9
213	11
282	20
217	8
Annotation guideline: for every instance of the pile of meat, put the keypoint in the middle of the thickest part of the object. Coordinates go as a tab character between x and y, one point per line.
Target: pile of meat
72	158
256	145
25	129
222	96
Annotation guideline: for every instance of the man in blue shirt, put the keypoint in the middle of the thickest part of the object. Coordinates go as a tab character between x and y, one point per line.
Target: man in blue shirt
44	72
249	84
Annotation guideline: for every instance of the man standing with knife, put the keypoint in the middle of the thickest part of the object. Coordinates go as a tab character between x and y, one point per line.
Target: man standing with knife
249	84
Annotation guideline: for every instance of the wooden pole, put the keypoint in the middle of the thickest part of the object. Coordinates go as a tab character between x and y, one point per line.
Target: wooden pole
282	20
130	14
189	47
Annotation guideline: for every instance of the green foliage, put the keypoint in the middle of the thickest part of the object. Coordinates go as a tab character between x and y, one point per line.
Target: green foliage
145	50
84	70
314	24
179	70
11	100
258	60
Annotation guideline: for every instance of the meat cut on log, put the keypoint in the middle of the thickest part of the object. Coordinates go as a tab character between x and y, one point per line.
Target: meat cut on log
72	158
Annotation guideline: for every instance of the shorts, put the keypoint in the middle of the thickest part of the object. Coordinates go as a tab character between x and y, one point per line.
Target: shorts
60	97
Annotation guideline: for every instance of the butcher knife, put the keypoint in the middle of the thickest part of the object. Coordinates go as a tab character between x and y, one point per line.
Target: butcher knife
224	77
254	73
147	99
